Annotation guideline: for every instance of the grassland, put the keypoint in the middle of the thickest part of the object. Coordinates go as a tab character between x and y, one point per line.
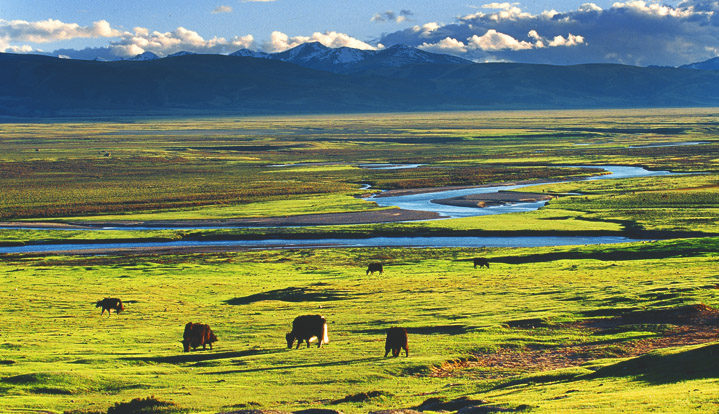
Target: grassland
62	355
614	328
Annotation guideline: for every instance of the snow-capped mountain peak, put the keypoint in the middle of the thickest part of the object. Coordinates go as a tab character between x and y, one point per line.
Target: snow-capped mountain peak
251	53
144	56
181	53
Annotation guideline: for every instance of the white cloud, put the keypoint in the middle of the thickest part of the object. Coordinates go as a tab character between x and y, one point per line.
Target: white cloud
7	48
52	30
279	41
142	40
570	40
494	40
446	45
222	9
501	6
653	9
589	7
427	29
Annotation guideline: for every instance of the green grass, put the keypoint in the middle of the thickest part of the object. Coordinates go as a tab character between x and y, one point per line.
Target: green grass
67	351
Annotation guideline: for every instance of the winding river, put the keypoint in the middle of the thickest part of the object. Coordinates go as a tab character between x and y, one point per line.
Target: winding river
423	202
411	202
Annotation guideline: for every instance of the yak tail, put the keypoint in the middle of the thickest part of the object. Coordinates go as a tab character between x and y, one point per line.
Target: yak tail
325	337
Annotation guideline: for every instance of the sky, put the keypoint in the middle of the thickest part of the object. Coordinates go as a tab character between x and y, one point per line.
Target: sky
633	32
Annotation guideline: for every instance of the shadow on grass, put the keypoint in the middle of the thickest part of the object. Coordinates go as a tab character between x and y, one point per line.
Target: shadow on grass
199	357
291	294
287	367
660	368
422	330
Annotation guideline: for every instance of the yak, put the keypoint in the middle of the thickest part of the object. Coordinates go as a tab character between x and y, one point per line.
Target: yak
197	334
108	304
480	261
374	267
307	328
396	341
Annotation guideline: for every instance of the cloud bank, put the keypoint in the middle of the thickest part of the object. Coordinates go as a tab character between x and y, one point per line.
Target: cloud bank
180	39
633	32
45	31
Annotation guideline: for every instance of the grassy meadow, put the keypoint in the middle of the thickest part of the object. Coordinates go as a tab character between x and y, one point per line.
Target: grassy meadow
607	328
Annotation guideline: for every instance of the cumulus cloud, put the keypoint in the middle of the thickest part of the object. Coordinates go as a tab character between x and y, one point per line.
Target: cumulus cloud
222	9
280	42
630	32
446	45
143	40
52	30
427	29
493	40
390	16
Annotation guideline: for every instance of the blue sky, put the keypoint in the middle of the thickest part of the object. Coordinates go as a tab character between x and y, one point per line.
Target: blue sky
560	32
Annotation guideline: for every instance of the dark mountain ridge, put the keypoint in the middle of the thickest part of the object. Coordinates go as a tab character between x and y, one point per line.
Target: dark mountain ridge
40	86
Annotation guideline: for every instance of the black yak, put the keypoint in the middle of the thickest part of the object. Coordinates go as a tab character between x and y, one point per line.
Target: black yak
396	341
197	334
480	261
374	267
306	328
108	304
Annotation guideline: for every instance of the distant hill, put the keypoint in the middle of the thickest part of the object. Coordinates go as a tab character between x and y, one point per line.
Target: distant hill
196	84
711	64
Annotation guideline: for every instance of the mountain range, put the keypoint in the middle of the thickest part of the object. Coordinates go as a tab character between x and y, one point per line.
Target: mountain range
312	78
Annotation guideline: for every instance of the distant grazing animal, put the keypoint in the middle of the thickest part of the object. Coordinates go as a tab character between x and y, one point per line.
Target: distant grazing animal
307	328
197	334
480	261
374	267
396	341
108	304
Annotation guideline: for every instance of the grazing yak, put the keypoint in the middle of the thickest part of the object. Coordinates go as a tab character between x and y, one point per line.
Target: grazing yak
396	341
374	267
108	304
307	328
480	261
197	334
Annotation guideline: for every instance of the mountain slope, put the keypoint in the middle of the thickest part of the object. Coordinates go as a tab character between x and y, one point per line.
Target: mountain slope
32	85
711	64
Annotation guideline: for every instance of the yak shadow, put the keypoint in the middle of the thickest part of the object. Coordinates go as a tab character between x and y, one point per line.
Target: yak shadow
200	357
657	369
291	294
287	367
422	330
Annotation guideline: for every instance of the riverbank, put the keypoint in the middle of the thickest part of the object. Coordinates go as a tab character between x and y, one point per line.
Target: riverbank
359	217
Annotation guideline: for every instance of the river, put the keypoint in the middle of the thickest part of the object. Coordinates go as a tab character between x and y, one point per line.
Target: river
412	202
